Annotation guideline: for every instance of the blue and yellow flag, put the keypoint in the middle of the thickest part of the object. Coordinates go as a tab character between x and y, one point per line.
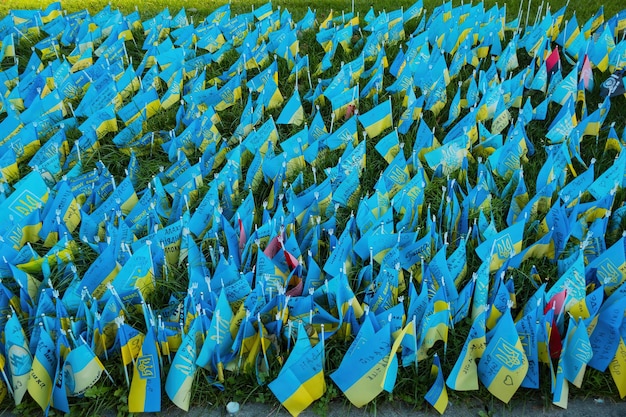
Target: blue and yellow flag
500	247
18	356
464	376
618	368
301	379
82	369
437	395
610	267
183	369
145	389
229	93
377	120
292	113
503	365
43	370
219	340
576	352
362	371
58	398
137	272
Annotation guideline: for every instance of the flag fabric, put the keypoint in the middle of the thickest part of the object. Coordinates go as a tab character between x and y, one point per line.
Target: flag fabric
292	112
497	249
18	356
577	352
437	395
368	354
503	365
464	375
377	120
145	389
180	377
82	369
43	370
301	379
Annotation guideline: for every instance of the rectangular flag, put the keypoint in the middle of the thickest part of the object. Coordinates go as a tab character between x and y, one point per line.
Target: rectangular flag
301	379
183	369
292	112
145	388
82	370
18	356
361	373
464	374
377	120
503	365
437	395
500	247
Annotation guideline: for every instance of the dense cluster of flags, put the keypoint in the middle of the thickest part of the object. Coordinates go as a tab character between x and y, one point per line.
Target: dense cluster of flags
269	282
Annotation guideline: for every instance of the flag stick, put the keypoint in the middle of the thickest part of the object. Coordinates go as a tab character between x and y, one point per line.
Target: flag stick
289	326
261	337
308	72
6	381
241	350
161	326
538	15
119	321
165	266
415	340
296	84
323	349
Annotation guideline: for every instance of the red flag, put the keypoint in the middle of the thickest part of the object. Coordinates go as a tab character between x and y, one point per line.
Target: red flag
553	62
556	303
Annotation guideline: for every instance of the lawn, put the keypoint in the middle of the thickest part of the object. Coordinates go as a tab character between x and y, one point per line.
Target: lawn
423	209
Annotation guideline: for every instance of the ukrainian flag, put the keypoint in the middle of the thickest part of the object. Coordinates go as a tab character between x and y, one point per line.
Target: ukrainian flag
264	11
102	122
145	388
594	23
499	248
437	395
292	113
129	339
219	340
19	357
82	370
377	120
181	375
389	146
172	95
43	369
341	101
576	353
301	380
618	368
362	371
464	376
503	365
229	93
137	272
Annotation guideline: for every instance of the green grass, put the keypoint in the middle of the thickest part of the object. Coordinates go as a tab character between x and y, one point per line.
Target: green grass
412	384
147	8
